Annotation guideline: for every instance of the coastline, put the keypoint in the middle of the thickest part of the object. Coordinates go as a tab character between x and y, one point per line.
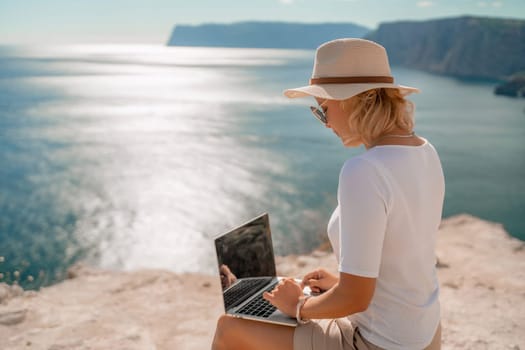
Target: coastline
480	266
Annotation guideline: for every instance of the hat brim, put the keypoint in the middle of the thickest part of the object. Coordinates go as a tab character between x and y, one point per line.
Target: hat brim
343	91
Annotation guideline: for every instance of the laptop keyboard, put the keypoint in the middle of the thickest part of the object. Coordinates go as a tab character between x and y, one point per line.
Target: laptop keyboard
243	290
258	306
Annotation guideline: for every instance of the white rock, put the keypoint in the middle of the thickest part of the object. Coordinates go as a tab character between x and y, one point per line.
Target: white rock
16	290
10	318
5	292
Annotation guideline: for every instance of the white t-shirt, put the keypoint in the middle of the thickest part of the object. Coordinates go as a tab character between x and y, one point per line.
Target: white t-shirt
390	201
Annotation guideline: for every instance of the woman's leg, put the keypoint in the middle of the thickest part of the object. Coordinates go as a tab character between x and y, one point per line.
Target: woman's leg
235	333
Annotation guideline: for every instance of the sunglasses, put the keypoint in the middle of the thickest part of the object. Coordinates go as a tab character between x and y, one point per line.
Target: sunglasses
319	114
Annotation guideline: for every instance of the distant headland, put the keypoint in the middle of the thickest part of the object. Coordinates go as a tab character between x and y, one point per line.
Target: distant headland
263	34
465	47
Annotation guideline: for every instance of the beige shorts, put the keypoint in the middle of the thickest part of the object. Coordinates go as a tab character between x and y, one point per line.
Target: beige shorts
340	334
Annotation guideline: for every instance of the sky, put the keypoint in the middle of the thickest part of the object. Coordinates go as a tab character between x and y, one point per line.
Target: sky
151	21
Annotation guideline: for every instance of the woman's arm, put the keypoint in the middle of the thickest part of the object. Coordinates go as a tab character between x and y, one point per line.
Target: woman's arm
349	295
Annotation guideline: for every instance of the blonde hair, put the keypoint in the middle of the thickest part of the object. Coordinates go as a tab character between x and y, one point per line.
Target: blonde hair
377	112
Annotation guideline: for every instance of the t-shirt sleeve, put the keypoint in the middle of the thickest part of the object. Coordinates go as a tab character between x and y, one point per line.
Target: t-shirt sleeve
363	205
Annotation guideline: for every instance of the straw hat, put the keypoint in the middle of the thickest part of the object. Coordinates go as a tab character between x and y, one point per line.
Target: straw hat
346	67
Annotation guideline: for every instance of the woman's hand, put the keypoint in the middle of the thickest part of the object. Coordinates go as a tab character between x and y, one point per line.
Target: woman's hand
285	296
319	280
227	277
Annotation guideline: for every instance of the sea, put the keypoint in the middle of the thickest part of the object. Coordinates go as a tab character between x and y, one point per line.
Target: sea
136	156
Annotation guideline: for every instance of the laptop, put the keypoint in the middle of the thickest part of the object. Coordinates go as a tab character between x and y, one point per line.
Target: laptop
247	269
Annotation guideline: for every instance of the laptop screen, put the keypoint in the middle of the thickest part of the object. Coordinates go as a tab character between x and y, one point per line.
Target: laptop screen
246	251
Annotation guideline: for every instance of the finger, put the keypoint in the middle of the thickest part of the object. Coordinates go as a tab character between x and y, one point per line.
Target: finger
311	276
315	274
289	281
312	283
308	276
315	287
306	279
268	296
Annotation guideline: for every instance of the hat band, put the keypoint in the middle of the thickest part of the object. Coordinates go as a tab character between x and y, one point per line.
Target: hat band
351	80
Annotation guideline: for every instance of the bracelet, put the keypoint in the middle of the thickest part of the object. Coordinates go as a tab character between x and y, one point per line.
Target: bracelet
300	304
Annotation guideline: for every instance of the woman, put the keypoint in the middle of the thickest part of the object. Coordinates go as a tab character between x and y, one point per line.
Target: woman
383	230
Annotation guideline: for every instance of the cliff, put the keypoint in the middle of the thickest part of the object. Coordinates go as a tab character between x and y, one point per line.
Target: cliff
263	34
481	271
514	87
468	47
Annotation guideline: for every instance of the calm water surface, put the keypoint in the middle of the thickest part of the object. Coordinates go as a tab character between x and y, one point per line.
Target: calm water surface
133	156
